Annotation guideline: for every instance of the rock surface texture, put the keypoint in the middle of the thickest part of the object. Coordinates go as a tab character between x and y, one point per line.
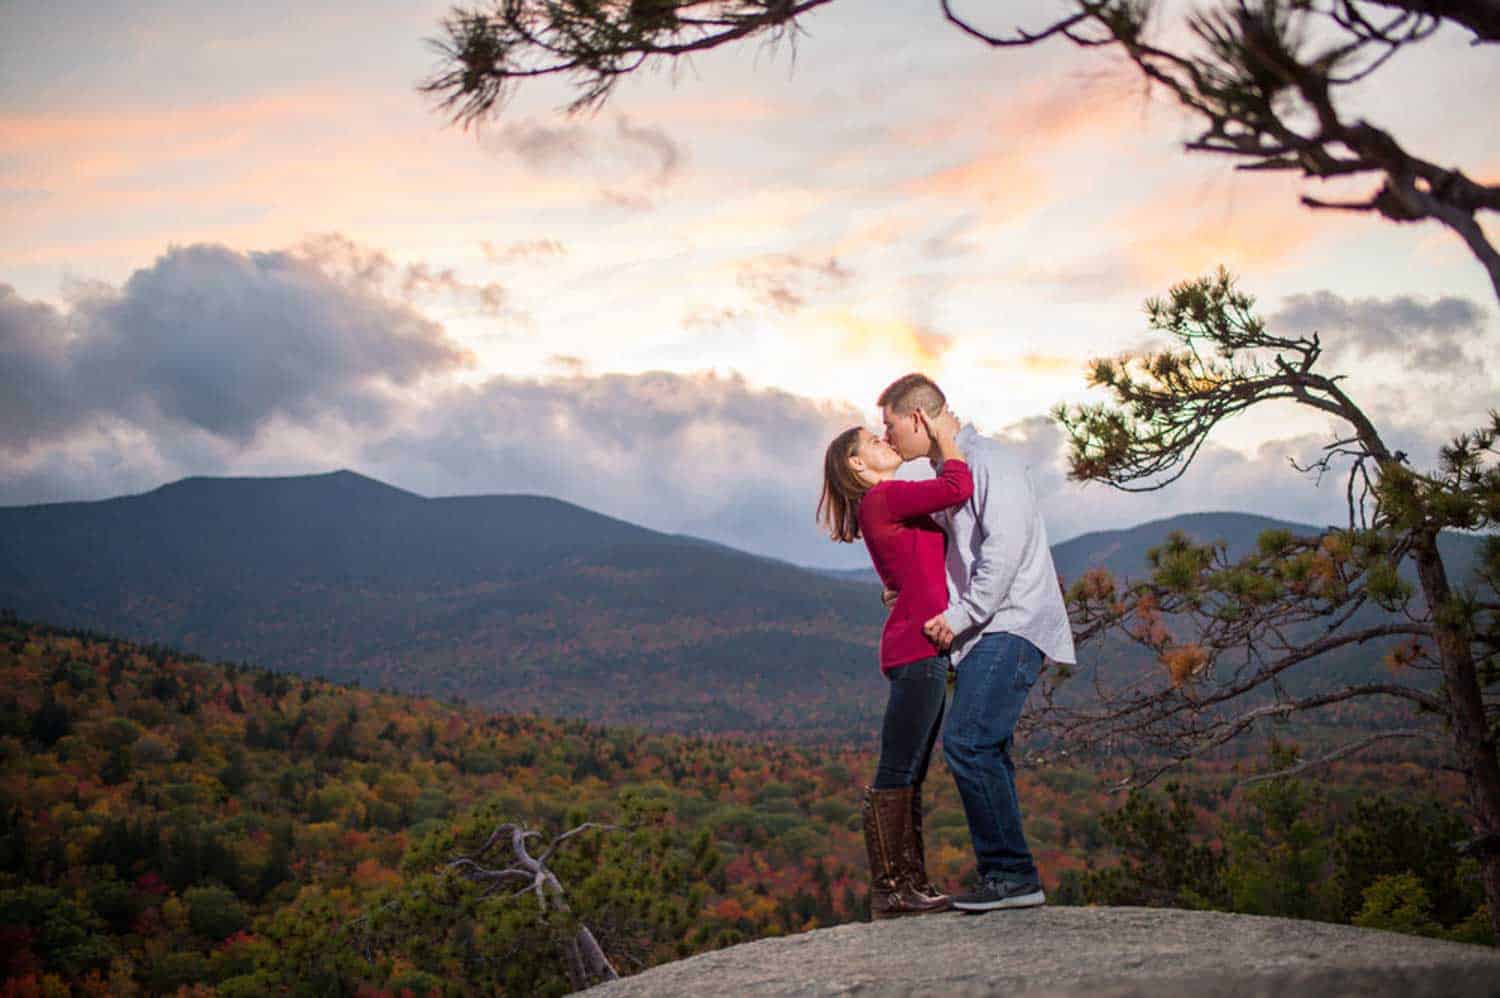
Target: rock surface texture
1075	952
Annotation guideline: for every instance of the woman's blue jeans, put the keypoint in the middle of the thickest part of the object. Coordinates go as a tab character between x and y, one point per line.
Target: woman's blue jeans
993	681
913	717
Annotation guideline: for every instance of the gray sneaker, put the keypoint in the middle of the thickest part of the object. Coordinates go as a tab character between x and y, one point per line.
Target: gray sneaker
995	893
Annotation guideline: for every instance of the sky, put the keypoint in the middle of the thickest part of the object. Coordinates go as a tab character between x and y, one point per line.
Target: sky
246	245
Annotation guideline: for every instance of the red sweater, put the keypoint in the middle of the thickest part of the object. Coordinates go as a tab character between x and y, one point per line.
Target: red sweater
907	548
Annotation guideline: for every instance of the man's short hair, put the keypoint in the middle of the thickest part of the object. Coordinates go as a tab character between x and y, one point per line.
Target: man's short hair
911	392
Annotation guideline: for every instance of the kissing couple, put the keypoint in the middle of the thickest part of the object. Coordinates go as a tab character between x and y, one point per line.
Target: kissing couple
971	590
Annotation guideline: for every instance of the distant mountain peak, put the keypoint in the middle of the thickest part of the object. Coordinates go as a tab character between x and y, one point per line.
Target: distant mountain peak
343	479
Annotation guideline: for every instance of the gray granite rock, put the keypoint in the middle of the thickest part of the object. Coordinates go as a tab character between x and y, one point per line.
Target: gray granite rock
1073	952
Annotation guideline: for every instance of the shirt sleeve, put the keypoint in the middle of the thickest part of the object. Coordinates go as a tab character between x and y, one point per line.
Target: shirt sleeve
953	485
1005	523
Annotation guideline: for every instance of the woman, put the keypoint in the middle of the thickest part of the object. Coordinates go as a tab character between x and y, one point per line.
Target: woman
861	498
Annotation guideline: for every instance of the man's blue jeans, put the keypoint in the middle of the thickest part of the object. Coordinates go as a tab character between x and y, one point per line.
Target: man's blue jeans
993	681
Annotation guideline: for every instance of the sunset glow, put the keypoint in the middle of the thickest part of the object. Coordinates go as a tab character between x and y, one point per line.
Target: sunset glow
782	237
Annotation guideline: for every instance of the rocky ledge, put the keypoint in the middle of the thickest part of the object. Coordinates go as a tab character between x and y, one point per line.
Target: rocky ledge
1075	952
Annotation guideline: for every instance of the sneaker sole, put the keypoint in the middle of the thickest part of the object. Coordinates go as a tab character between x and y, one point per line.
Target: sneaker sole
1033	900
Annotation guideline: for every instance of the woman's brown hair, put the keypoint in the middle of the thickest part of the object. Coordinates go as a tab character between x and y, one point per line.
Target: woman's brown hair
838	506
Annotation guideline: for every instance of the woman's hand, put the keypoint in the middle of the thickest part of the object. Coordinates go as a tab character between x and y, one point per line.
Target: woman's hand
943	430
939	633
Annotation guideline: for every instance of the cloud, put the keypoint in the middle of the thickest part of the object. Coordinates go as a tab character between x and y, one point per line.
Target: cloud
952	239
1431	335
708	317
419	279
655	142
1042	364
626	200
786	282
525	251
1095	276
1005	182
567	363
1220	479
931	344
1008	177
696	453
624	162
218	341
416	283
894	342
212	361
1040	115
36	397
92	145
701	454
540	147
1247	228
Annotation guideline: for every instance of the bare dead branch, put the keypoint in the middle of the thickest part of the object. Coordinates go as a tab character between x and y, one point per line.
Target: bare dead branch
1342	752
565	836
582	954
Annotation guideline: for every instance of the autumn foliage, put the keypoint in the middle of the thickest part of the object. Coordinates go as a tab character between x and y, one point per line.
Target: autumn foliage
173	826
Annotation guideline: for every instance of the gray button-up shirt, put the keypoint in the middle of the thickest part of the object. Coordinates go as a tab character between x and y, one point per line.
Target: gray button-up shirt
1000	572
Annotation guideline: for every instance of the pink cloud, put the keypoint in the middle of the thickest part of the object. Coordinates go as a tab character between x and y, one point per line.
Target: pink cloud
259	172
1007	176
78	148
1004	184
1260	225
914	343
711	111
1042	115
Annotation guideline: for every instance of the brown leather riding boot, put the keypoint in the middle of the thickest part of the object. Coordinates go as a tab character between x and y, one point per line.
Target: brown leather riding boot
887	816
919	878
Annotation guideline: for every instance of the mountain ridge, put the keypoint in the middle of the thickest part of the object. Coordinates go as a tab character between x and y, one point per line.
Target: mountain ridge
491	598
512	601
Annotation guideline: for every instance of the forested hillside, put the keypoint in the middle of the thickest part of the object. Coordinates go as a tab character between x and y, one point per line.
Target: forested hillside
517	603
167	822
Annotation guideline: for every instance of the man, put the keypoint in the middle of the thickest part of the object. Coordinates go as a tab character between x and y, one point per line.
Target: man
1005	613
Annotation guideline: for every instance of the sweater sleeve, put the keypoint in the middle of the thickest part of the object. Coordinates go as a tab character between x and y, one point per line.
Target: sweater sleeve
953	485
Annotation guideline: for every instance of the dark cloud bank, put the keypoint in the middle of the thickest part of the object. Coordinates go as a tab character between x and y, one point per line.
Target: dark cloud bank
215	340
1432	336
213	361
217	362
